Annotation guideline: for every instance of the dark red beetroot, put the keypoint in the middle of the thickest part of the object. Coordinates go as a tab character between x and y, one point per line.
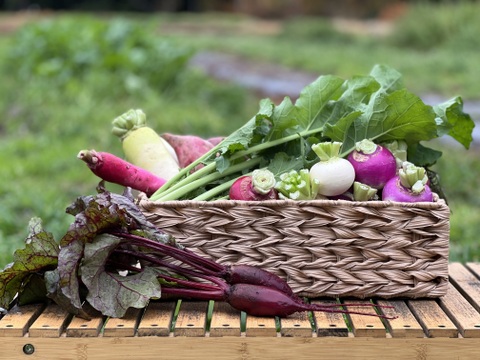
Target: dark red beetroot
260	300
245	274
273	298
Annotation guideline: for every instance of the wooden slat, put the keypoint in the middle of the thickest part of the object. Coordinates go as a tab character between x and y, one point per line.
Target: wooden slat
191	319
362	325
405	325
433	319
79	327
50	323
260	326
466	282
225	320
462	313
124	327
157	319
296	325
18	319
329	324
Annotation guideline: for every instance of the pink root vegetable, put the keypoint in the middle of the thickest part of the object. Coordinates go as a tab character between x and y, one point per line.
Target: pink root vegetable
115	170
256	187
215	140
187	147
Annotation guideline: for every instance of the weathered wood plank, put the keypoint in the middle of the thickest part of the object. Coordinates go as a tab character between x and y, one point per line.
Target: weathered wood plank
225	320
365	326
260	326
462	313
327	323
124	327
17	321
405	325
157	319
191	319
296	325
466	282
50	323
433	319
79	327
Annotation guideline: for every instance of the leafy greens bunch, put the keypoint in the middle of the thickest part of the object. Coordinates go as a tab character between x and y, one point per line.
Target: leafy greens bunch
377	107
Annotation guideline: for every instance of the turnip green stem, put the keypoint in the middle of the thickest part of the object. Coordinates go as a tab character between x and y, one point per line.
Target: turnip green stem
413	177
193	185
363	192
327	150
263	181
366	146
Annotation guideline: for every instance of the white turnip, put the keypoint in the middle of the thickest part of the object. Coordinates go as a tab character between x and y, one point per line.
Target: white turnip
335	175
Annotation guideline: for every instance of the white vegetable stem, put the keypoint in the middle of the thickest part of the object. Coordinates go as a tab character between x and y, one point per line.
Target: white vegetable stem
334	174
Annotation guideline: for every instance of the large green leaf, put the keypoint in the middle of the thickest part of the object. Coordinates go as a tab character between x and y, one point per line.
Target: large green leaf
454	122
110	292
40	253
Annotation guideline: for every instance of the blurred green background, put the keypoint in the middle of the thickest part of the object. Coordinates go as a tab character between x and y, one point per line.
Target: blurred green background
66	75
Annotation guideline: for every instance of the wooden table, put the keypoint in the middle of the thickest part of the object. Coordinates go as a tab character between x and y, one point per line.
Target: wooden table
445	328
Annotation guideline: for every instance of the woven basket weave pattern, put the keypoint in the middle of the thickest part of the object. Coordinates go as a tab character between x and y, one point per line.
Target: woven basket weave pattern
322	247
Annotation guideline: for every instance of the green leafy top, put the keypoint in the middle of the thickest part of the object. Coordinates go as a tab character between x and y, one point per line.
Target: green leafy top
376	107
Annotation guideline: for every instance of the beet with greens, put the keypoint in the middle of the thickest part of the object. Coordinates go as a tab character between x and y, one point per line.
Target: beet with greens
113	258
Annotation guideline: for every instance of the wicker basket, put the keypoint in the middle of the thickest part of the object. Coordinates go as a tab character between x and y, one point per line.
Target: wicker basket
323	247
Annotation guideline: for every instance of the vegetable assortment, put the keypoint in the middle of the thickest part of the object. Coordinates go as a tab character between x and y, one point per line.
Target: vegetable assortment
362	130
357	139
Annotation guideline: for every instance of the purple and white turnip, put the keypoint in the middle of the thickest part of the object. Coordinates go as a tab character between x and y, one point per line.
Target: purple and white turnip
374	164
410	185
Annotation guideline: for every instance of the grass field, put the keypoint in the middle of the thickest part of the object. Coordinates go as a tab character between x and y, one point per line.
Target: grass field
53	106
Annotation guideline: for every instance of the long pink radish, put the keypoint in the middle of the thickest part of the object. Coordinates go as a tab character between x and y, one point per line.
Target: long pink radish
115	170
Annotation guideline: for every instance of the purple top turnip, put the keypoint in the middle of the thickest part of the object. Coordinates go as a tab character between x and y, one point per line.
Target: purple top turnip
410	185
374	164
255	187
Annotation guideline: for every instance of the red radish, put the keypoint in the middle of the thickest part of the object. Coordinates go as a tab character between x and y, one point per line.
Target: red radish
258	186
118	171
187	147
410	185
143	147
215	140
335	175
374	164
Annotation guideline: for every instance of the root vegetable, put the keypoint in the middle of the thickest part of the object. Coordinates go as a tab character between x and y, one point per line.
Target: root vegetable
410	185
335	175
143	147
255	187
374	164
187	147
115	170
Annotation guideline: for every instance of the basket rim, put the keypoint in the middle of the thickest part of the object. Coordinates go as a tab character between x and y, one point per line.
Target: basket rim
437	203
